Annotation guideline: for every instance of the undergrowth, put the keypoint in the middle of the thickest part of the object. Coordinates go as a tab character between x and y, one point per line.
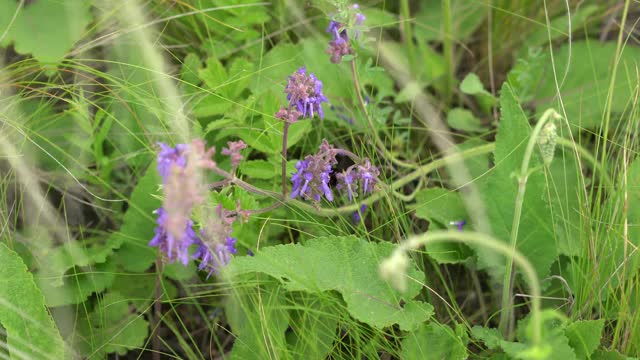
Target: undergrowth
319	180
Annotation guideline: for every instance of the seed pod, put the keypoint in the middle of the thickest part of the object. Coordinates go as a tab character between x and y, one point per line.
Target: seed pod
547	141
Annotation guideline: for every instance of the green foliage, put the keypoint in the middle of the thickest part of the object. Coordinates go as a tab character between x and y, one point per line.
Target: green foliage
137	225
441	207
535	230
110	328
37	28
584	336
30	330
433	341
584	88
347	265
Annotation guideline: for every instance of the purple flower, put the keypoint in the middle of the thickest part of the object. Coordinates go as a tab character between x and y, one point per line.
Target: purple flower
361	176
176	246
168	157
459	224
233	151
356	214
346	182
288	115
339	45
368	176
217	257
304	92
311	180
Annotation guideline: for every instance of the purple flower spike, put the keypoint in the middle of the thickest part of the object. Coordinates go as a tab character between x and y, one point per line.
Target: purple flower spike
214	260
288	115
346	182
311	180
304	92
368	176
176	247
233	151
168	157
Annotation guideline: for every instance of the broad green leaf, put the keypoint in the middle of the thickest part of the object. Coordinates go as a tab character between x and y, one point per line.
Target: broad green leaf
138	224
467	16
297	132
584	90
37	27
610	355
75	253
347	265
472	85
535	231
464	120
564	192
313	329
377	18
441	207
191	67
214	75
79	284
433	342
140	289
260	334
30	330
559	26
490	337
259	169
110	328
584	336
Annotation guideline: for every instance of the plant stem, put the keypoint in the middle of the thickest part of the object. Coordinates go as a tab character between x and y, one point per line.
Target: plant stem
285	135
407	31
447	47
506	314
363	107
480	239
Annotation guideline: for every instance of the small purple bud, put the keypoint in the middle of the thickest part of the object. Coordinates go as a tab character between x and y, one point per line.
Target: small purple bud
459	224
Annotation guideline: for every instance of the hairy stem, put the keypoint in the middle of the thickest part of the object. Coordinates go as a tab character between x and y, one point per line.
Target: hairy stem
506	315
447	47
285	135
407	31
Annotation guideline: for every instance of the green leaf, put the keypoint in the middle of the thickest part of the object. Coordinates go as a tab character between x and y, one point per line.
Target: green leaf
472	85
297	131
313	329
584	89
535	231
259	169
190	69
490	337
565	191
442	207
433	341
584	336
609	355
37	27
468	15
79	284
259	334
214	75
138	224
110	328
30	330
464	120
344	264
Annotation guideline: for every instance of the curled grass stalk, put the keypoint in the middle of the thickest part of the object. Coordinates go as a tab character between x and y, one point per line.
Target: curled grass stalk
480	239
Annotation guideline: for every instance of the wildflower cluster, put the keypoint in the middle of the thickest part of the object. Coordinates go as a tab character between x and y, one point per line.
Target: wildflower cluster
340	45
362	176
304	93
311	180
181	169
